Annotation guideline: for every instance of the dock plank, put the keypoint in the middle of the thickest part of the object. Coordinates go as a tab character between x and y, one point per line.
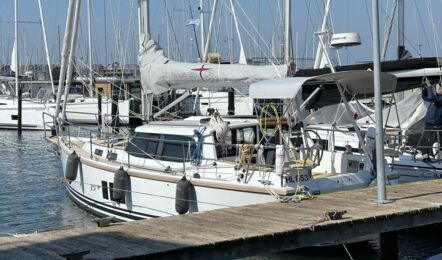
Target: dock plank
242	231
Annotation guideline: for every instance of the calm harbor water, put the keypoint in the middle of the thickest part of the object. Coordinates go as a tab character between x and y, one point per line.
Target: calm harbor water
32	195
33	198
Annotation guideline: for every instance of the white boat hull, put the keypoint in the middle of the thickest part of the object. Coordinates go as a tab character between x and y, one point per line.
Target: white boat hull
152	193
32	115
85	111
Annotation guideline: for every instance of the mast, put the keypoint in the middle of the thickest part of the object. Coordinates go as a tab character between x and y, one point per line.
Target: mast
48	59
71	59
202	26
18	90
400	30
64	55
382	196
143	21
242	55
320	52
16	48
144	36
388	30
194	32
287	23
209	36
89	29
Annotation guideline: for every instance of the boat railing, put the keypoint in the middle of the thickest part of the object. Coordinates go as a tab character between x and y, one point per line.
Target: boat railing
191	151
104	115
241	153
392	136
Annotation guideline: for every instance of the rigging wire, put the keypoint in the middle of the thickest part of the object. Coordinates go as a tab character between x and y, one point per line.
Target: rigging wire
435	35
260	36
306	32
169	19
367	12
421	21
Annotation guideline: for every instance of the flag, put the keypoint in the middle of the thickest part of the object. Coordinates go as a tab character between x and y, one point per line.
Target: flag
193	22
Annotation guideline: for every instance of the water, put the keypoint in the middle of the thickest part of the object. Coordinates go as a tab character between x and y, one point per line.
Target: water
33	198
32	195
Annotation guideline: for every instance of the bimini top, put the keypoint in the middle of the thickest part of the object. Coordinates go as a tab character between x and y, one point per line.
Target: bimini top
356	84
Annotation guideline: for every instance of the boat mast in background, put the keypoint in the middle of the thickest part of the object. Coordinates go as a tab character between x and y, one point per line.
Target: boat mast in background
388	30
89	29
64	56
320	59
17	87
209	34
15	65
287	30
48	59
202	32
71	59
242	55
401	26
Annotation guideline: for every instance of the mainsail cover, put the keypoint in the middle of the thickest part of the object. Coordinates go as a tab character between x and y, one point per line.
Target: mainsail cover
160	74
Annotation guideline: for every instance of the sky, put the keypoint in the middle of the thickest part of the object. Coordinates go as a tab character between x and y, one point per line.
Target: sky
115	31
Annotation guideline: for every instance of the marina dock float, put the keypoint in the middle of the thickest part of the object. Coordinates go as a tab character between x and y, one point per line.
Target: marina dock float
244	231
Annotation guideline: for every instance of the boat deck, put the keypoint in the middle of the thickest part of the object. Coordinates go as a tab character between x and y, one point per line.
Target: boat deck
243	231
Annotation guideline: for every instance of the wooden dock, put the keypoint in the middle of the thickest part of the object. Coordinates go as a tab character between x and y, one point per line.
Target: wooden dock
243	231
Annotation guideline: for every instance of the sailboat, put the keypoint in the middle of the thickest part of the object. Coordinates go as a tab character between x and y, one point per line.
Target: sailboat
37	112
210	162
201	163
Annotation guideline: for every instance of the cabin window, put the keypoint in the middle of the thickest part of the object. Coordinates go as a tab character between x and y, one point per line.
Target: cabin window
174	148
177	148
111	156
245	135
143	145
98	152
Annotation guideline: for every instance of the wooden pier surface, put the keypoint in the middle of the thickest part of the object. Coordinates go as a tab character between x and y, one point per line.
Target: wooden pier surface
243	231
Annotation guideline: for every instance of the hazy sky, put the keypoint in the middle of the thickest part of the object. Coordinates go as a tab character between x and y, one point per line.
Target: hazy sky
115	21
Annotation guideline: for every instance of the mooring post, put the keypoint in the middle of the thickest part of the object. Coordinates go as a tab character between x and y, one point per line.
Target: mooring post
388	242
99	95
231	102
19	116
114	106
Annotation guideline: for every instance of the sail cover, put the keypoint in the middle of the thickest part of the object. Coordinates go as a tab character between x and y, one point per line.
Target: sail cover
160	74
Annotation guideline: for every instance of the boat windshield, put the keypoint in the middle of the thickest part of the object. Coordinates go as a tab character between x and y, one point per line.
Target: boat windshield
174	148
